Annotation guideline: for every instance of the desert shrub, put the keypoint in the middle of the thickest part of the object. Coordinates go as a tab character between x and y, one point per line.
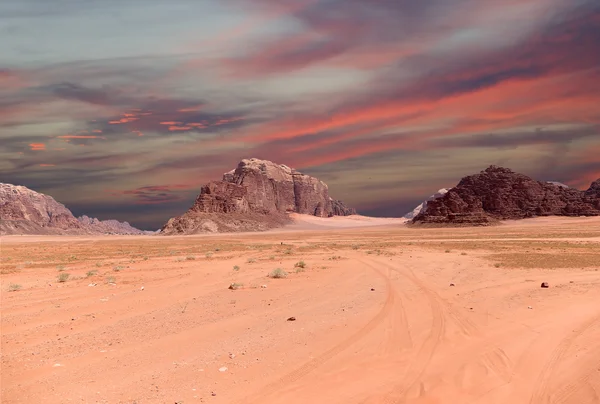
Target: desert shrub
278	273
63	277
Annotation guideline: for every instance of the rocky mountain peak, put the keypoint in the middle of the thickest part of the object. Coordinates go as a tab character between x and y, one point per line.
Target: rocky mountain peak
499	193
24	211
258	194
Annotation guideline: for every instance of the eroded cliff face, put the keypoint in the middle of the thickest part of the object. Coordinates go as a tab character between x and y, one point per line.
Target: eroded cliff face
24	211
256	196
499	193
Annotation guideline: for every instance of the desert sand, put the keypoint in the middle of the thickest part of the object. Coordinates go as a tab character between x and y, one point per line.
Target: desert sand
383	313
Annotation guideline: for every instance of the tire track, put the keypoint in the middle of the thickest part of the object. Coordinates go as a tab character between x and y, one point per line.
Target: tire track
425	354
337	349
540	393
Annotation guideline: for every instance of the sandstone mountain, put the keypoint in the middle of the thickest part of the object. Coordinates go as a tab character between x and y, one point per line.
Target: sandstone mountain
110	226
413	213
500	194
24	211
256	196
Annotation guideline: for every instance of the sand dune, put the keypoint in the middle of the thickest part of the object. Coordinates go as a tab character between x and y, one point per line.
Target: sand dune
377	319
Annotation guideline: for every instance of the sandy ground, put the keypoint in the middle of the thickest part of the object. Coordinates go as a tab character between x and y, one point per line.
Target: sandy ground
383	314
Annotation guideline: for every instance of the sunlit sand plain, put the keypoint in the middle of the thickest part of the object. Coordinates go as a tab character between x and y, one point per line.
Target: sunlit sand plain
383	313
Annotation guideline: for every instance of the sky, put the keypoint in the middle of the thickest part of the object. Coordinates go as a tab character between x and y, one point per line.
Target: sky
123	109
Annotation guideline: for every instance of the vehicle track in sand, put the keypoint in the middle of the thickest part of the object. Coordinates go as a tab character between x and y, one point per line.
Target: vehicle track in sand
543	393
384	312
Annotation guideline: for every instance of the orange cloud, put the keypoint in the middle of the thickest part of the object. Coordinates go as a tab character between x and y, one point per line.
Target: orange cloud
190	109
171	123
47	165
178	128
37	146
80	137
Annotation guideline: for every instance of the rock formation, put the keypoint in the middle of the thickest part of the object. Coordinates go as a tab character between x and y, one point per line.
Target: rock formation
413	213
24	211
500	194
110	226
256	196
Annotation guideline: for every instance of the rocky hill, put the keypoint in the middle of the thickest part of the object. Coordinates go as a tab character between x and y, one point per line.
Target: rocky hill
110	226
418	209
256	196
499	193
24	211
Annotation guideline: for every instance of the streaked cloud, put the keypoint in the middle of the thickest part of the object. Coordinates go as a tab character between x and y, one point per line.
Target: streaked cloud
386	101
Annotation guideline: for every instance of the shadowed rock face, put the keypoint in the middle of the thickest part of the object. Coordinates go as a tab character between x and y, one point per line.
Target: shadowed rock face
24	211
501	194
257	195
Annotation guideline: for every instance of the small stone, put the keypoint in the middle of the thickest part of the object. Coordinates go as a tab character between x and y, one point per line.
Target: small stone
545	285
213	394
263	286
529	307
223	369
142	288
291	319
231	356
372	289
451	284
92	284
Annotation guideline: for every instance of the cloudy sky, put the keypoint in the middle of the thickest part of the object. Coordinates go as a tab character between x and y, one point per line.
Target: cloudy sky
124	108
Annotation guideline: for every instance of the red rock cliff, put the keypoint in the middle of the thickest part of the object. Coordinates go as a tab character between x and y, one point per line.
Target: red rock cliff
500	194
256	196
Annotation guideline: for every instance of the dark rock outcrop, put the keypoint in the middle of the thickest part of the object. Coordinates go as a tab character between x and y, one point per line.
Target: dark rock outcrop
24	211
256	196
500	194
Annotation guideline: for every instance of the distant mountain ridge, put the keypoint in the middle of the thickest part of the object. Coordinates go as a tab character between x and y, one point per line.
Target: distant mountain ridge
499	193
24	211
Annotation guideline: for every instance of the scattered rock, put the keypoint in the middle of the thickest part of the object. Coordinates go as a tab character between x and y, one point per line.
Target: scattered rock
231	356
291	319
223	369
92	284
263	286
545	285
529	307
